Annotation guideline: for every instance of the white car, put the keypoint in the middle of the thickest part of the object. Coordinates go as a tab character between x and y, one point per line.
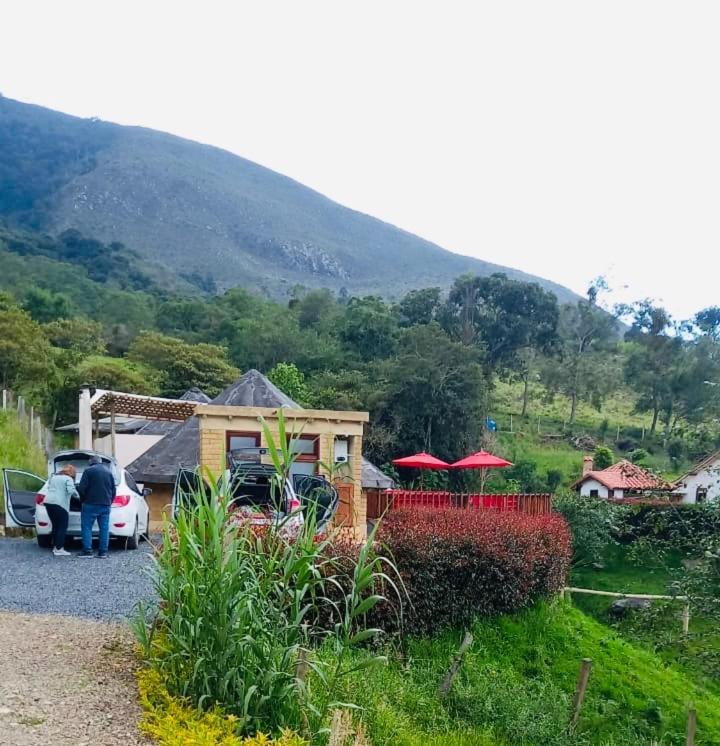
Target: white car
25	493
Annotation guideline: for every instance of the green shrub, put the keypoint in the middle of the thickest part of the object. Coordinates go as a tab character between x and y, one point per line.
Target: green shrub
592	525
685	527
639	456
602	458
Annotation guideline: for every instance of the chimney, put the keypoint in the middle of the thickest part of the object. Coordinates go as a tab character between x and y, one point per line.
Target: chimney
587	464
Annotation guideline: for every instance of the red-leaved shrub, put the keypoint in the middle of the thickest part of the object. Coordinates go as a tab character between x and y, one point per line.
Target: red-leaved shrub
458	564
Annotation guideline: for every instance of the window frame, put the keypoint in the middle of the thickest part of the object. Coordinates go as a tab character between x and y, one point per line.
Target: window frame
241	434
313	457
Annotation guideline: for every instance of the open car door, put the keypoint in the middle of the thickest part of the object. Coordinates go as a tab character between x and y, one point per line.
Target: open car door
316	493
20	489
189	485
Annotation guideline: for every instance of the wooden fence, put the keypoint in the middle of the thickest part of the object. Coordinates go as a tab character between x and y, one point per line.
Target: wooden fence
378	502
29	420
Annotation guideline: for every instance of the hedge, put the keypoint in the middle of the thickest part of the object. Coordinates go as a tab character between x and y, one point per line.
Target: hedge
687	527
445	567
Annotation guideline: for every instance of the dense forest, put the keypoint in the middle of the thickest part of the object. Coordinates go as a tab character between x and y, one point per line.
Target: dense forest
427	368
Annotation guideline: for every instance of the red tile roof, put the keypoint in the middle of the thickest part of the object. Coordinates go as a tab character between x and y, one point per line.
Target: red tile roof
626	476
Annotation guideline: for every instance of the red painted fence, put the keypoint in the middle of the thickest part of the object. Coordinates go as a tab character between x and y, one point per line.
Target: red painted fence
381	501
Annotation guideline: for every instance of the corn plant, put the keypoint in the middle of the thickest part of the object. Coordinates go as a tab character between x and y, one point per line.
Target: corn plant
236	624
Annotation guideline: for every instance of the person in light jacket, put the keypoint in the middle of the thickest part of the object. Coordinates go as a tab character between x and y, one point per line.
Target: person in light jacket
61	489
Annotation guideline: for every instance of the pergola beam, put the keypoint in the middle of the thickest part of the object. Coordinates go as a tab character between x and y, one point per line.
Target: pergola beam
114	403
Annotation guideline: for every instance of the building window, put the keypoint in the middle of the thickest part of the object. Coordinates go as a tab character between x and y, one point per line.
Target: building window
306	452
235	441
700	495
611	493
594	493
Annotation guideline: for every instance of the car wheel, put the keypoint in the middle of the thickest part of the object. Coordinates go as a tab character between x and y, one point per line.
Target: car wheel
44	540
133	541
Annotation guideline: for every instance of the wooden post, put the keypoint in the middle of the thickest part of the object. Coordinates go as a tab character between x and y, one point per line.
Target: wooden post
617	437
538	426
580	688
5	400
32	422
302	665
455	665
691	727
511	424
112	430
686	619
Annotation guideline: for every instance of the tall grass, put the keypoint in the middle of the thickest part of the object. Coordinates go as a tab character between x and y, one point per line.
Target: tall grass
237	622
16	450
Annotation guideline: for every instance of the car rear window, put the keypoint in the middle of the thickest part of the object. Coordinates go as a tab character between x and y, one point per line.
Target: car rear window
80	462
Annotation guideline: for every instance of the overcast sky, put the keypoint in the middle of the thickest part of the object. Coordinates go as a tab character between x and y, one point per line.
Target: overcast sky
567	139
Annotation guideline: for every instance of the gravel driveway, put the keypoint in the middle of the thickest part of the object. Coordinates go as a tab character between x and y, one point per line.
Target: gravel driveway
34	581
66	682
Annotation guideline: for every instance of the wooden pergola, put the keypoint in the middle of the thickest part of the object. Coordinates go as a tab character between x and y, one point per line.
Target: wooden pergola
113	403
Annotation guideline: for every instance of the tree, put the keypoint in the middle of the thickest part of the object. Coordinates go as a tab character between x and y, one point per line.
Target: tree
25	355
291	381
181	366
369	328
653	366
587	334
78	337
429	397
44	305
505	316
419	307
316	307
73	340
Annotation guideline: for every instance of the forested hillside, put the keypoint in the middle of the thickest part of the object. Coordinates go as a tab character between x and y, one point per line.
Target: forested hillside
430	368
208	216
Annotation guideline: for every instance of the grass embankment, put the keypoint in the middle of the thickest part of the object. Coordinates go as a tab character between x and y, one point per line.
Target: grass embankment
16	451
516	686
660	632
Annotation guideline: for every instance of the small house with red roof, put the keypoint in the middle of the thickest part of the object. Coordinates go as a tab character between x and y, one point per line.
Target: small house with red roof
623	479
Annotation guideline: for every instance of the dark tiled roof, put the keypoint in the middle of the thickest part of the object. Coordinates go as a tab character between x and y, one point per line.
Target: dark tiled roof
180	445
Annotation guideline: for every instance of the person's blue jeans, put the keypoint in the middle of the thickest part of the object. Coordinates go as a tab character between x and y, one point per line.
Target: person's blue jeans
90	513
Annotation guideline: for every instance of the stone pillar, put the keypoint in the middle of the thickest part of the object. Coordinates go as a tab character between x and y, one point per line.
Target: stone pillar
85	436
212	450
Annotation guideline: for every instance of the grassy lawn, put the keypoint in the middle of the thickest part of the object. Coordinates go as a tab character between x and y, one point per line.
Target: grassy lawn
516	687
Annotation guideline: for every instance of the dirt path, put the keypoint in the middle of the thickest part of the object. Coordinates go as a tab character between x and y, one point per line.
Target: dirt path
67	682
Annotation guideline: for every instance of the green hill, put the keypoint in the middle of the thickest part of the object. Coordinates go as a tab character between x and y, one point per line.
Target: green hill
516	686
199	210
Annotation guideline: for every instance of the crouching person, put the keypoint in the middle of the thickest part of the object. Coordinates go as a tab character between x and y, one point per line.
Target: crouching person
61	489
97	490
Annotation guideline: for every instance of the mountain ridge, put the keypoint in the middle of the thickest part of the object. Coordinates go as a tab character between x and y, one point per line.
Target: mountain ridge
196	207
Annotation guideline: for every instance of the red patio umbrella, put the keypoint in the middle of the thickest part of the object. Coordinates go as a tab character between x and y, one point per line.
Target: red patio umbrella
421	461
481	460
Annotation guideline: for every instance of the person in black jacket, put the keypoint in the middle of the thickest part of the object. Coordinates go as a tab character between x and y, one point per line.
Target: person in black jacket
97	491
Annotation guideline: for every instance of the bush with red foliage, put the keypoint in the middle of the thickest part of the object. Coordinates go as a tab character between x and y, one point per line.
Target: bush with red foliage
458	564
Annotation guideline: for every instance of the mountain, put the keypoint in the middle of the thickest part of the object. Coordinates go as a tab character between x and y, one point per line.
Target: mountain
209	217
